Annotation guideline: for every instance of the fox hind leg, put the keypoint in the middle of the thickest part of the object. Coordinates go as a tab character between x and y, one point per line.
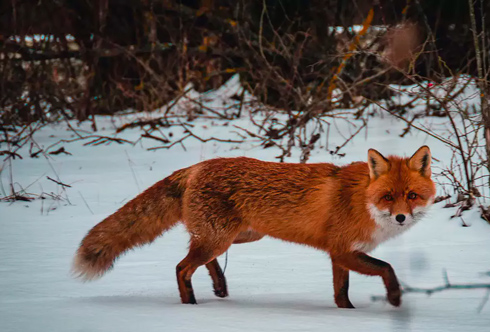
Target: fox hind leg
219	280
200	255
208	242
186	268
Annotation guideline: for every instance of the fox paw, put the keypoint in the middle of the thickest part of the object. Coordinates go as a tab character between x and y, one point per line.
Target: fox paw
190	299
346	305
395	298
221	292
344	302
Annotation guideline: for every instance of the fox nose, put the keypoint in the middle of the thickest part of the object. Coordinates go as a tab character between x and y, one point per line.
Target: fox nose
400	218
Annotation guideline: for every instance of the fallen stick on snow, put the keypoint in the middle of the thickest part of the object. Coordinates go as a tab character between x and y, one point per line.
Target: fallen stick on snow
447	285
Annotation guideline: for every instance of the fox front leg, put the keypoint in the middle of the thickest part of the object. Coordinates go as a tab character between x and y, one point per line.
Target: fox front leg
341	286
364	264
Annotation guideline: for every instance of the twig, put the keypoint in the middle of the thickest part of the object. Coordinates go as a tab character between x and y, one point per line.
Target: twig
58	182
226	262
441	198
176	100
430	291
86	204
105	139
439	138
130	162
266	142
365	26
484	301
97	140
409	125
447	286
148	135
338	148
209	109
59	151
51	166
190	134
10	154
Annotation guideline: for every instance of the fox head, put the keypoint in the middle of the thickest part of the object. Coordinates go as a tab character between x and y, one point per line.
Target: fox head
400	189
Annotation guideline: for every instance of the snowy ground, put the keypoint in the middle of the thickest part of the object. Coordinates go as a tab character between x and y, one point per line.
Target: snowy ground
274	286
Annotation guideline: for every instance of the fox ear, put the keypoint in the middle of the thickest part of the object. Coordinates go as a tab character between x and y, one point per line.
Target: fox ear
378	164
420	161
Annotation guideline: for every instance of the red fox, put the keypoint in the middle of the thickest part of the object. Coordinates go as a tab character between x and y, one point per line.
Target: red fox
343	210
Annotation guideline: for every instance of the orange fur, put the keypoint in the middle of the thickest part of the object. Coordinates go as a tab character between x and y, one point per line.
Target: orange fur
344	211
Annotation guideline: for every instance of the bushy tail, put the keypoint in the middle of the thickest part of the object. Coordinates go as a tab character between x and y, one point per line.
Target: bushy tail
138	222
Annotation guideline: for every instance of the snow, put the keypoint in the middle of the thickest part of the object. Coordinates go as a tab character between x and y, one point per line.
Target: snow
273	285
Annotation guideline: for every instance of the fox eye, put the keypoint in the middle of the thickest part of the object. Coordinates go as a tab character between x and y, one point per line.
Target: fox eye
388	197
412	196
